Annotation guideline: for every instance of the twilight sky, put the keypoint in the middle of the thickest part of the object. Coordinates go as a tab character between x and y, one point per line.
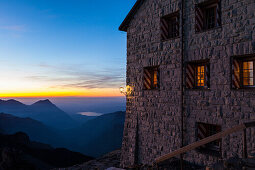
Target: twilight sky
62	47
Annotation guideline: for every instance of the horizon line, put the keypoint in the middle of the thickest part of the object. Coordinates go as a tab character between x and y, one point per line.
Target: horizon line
62	96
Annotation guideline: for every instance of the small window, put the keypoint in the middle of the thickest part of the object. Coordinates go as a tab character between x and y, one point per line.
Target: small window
151	78
205	130
208	15
197	75
200	75
243	72
170	26
248	73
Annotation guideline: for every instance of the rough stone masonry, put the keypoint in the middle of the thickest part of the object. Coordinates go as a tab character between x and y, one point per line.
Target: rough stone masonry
153	117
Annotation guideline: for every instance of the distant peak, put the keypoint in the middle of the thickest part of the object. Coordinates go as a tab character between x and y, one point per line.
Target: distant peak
44	102
11	102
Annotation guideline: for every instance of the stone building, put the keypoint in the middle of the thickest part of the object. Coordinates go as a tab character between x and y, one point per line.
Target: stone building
191	63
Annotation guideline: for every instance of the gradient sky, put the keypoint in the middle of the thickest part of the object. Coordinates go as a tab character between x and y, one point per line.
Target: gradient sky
62	47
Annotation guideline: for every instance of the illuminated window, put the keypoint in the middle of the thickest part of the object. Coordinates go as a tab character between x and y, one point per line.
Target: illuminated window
155	77
151	78
198	75
243	72
248	73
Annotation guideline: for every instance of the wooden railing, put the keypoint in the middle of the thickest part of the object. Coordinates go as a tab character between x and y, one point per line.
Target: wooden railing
212	138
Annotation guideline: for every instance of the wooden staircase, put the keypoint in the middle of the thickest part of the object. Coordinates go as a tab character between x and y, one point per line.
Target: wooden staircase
241	127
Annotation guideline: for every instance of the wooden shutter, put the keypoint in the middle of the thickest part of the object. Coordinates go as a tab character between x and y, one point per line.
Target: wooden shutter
199	19
190	76
147	79
218	14
164	29
202	132
236	74
207	75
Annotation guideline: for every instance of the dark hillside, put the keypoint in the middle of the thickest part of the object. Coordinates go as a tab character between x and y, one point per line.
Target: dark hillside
18	152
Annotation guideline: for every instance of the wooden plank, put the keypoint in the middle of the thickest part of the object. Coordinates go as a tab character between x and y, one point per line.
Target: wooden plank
201	142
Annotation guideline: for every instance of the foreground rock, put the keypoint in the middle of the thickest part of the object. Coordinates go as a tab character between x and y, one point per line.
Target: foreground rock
17	152
111	161
234	163
107	161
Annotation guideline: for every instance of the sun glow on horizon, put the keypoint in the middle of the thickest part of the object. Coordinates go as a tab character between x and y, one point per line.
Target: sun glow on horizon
63	93
15	85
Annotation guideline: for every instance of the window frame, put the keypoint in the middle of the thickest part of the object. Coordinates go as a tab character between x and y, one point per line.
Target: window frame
243	58
209	148
170	18
242	71
196	75
205	10
206	64
203	7
151	70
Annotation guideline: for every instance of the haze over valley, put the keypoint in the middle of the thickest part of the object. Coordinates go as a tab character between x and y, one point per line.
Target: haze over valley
44	122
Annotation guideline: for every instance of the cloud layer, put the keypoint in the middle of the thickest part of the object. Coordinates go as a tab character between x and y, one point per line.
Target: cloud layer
78	76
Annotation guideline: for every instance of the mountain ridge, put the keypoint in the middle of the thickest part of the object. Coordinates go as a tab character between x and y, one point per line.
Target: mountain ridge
36	130
43	110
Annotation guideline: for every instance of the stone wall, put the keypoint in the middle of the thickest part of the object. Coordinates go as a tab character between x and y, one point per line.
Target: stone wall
158	111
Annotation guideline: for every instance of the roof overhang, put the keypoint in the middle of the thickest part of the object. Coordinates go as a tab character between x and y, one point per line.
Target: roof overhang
124	25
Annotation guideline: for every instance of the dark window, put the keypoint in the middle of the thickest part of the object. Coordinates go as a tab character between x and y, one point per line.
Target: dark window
243	72
151	78
170	26
205	130
208	15
198	75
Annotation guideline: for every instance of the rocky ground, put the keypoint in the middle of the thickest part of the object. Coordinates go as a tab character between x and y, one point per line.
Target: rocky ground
234	164
107	161
111	161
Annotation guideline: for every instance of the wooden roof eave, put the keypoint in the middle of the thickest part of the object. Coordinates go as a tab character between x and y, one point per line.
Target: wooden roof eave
124	25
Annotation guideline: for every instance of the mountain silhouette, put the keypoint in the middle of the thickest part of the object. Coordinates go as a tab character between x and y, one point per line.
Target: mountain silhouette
43	111
99	135
36	130
12	103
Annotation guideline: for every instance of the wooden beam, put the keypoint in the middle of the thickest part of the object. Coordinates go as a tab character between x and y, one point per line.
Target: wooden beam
245	154
201	143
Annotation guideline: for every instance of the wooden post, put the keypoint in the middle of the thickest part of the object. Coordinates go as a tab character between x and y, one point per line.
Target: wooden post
181	161
245	154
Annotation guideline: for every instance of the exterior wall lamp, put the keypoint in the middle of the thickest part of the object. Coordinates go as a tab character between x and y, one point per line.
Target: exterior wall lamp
128	90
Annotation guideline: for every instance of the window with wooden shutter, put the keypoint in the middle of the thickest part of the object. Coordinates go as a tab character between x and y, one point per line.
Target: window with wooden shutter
198	75
170	26
208	15
205	130
243	72
151	78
